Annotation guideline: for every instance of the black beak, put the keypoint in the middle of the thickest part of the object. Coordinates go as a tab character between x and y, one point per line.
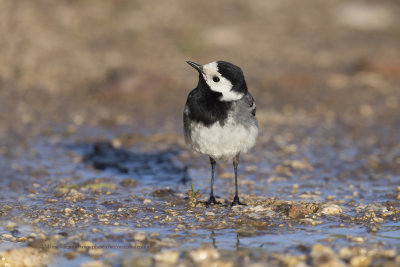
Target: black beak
198	67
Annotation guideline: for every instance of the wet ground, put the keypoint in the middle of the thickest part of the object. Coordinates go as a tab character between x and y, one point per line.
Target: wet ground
101	176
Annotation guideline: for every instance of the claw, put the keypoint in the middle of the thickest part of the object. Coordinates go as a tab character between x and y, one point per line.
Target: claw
237	202
212	200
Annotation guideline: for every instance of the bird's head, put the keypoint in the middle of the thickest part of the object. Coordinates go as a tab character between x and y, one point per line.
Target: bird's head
222	77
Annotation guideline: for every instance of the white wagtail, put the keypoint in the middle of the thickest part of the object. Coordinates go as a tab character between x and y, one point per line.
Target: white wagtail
219	117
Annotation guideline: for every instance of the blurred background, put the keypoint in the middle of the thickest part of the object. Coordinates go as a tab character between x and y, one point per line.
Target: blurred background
86	62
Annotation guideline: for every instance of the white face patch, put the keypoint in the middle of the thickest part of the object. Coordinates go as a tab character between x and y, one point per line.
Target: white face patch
218	83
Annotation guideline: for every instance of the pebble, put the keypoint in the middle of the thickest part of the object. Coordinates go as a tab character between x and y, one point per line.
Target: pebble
378	220
95	252
310	221
67	211
71	221
26	257
154	234
204	254
21	239
167	242
140	236
139	259
358	239
6	236
84	246
147	201
323	256
70	255
332	209
74	196
360	261
128	182
168	256
93	264
345	253
10	226
297	212
226	175
299	165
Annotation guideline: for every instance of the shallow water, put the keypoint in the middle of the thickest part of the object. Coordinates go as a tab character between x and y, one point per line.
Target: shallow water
273	176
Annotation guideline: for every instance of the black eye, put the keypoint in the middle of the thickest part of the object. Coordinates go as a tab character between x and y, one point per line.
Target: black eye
215	79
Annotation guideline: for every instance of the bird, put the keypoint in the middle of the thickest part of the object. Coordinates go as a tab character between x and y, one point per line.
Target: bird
219	118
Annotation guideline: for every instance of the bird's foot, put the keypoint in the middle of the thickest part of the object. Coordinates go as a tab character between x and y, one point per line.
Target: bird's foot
212	200
237	202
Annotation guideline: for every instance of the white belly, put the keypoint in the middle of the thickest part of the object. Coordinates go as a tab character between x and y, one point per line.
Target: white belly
223	142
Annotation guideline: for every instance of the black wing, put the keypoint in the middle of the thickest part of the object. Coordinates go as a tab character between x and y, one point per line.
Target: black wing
248	98
186	125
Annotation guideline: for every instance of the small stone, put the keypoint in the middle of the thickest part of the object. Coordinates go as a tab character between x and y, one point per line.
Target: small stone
138	259
164	193
93	264
10	226
71	221
74	196
154	234
251	168
84	246
140	236
378	220
67	210
345	253
147	201
128	182
258	208
323	256
360	261
310	221
387	213
330	197
95	252
209	213
32	235
167	242
70	255
358	239
204	254
6	236
226	175
168	256
331	209
21	239
297	212
28	257
300	165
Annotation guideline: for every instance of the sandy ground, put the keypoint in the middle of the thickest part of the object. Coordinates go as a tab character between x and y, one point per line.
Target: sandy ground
94	170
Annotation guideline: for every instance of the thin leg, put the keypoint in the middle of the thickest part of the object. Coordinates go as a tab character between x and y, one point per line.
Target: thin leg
236	198
212	199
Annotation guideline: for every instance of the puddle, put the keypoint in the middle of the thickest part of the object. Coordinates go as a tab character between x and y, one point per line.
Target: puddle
135	197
